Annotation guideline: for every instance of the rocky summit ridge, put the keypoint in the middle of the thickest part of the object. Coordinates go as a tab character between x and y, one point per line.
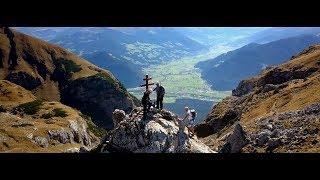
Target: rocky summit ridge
159	132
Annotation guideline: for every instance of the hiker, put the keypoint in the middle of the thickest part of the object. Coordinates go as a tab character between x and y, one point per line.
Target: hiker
160	94
189	119
146	103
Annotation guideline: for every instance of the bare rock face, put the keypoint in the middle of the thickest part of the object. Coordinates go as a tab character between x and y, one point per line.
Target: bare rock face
243	88
158	133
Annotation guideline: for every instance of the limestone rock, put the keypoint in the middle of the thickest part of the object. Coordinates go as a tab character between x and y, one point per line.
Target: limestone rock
158	133
118	116
41	141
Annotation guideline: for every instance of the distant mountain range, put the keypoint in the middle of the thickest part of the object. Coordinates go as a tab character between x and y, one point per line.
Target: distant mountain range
127	48
212	36
225	71
273	34
125	51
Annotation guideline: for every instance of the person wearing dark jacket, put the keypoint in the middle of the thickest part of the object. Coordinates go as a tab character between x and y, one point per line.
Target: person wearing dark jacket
146	103
160	94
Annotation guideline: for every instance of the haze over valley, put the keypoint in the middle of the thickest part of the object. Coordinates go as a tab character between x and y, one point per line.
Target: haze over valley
203	64
78	89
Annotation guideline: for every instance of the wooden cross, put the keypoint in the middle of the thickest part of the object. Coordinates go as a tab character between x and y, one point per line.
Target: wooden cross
147	82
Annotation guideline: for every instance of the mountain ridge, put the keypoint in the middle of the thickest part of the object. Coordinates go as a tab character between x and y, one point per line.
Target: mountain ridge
51	73
274	111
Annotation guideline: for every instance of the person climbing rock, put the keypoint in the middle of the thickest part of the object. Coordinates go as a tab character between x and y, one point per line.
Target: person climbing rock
189	119
146	103
160	94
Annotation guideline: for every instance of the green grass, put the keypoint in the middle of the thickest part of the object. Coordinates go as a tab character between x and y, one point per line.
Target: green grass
31	108
67	66
105	77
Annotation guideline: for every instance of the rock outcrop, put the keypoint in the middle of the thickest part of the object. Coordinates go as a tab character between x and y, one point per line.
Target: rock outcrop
271	107
159	132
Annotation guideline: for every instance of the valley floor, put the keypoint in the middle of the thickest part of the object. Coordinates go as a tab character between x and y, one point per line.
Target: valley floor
183	81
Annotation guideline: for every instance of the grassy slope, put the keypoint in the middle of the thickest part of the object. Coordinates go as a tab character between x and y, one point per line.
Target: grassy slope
16	125
298	94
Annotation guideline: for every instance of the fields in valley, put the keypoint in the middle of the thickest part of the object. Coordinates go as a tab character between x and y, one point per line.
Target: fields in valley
183	81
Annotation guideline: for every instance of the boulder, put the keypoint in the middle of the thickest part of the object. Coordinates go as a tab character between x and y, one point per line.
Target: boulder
168	115
235	141
118	116
273	143
41	141
263	137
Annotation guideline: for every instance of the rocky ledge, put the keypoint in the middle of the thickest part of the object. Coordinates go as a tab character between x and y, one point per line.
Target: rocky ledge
159	132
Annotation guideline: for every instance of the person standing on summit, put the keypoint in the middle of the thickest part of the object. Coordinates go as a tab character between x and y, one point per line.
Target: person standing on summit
160	94
145	101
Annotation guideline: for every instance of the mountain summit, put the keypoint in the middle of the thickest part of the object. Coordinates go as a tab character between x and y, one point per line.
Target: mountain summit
159	132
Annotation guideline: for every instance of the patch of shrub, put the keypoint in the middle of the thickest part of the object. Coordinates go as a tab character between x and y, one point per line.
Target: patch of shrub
47	116
67	66
58	112
32	107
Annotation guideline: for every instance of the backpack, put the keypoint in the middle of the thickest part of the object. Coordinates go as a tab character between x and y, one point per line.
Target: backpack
193	113
162	91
